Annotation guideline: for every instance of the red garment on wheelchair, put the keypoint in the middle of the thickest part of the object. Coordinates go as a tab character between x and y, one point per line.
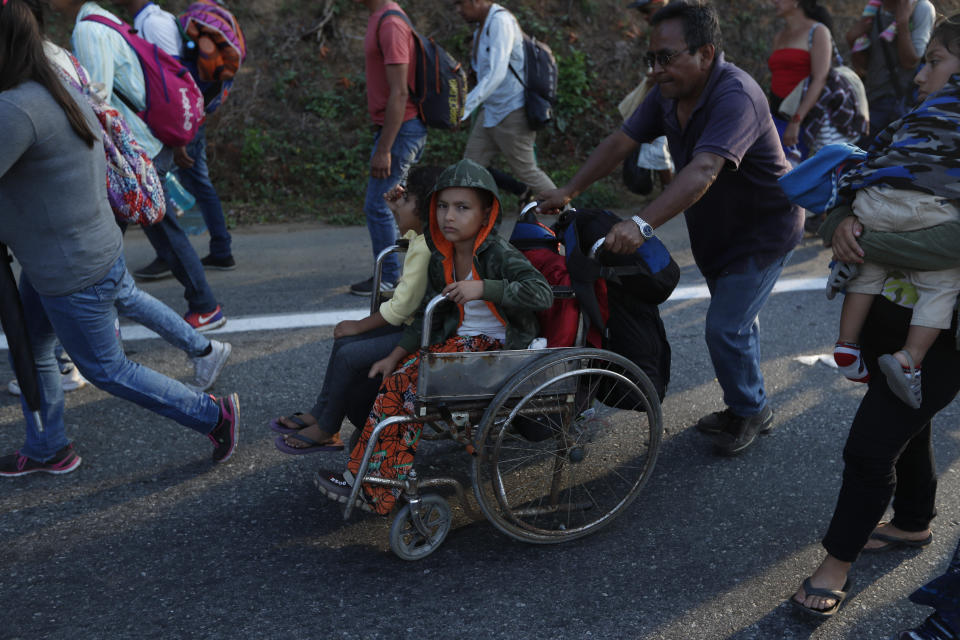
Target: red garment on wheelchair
634	329
558	324
398	442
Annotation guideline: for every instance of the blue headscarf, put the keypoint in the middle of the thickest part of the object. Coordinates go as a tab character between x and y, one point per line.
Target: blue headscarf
920	151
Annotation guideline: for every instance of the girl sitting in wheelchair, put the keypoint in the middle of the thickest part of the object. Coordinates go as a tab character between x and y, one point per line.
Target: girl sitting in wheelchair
495	292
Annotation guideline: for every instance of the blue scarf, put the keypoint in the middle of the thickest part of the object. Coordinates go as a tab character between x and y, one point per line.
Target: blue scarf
920	151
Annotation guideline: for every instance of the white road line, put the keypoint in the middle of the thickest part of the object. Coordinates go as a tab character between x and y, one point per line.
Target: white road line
330	318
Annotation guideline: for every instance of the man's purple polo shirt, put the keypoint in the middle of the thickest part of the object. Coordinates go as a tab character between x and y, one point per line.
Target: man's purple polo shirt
745	212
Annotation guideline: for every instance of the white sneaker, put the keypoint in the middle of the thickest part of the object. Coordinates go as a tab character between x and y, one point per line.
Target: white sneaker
206	369
71	381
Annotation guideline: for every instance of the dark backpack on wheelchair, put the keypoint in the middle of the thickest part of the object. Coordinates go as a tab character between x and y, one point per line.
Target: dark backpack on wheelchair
636	284
628	319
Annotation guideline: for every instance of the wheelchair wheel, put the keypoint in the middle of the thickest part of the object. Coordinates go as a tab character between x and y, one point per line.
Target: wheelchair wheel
408	541
566	445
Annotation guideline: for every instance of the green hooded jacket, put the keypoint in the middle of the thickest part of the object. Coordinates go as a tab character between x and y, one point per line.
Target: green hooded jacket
512	288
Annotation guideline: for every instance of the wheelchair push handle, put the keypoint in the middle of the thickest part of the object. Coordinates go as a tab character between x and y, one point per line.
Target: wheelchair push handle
596	248
428	318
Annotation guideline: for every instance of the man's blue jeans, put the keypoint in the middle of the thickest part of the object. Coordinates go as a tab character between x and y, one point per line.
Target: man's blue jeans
86	324
406	151
173	246
196	180
733	333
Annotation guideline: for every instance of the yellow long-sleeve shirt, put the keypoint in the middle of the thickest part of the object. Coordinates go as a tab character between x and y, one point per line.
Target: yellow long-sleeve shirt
412	284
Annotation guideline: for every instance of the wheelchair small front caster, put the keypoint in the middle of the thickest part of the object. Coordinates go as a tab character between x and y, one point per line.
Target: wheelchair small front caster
413	540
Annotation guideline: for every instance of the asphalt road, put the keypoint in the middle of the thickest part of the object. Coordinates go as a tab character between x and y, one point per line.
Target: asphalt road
148	540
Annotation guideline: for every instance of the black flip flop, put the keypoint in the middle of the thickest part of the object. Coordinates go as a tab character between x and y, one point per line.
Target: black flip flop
892	543
315	445
811	590
279	427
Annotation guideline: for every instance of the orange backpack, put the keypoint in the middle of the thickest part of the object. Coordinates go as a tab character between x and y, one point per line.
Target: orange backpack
219	42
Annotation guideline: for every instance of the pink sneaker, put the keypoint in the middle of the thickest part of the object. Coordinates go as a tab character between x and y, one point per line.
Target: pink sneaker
225	434
16	464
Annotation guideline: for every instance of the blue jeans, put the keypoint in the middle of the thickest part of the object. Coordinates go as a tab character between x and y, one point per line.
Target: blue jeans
345	383
196	180
405	152
141	307
733	333
86	324
173	247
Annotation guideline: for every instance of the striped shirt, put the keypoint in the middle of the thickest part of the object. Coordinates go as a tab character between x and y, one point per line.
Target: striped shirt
114	64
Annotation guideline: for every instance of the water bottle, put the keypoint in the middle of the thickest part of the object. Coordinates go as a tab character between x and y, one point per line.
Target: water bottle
184	205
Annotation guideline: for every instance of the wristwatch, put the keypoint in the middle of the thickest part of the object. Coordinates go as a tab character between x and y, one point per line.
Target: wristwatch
645	229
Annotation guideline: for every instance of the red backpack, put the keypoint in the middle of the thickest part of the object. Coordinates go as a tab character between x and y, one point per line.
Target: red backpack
174	105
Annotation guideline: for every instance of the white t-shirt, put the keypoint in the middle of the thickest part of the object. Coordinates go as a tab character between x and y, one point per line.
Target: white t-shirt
479	320
159	27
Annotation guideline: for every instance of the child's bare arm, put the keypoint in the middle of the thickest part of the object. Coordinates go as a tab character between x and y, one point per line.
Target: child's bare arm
464	291
346	328
387	365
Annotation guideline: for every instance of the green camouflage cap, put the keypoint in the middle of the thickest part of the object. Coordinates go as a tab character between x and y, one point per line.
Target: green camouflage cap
467	173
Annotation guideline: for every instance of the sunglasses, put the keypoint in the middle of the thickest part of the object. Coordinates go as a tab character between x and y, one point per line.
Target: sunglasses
662	57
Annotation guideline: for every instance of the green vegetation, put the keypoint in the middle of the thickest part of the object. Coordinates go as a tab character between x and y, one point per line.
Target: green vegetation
293	140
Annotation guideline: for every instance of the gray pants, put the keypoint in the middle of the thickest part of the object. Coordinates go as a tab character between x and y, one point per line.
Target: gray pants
514	138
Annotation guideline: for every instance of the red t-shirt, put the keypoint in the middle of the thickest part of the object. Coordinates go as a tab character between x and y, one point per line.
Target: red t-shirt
395	47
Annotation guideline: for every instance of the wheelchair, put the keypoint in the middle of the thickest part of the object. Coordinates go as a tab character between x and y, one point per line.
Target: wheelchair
561	440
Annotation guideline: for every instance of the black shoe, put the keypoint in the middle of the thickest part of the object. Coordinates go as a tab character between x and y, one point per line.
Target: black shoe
719	421
739	432
933	628
338	486
716	422
154	271
17	464
365	288
220	264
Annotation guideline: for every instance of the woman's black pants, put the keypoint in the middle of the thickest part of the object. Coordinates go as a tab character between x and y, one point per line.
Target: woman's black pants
889	452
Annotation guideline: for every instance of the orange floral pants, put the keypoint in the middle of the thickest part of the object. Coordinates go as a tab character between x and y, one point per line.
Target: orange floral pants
393	457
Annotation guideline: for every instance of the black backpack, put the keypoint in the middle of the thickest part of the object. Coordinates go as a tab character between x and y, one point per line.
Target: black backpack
636	284
440	90
540	84
539	80
649	275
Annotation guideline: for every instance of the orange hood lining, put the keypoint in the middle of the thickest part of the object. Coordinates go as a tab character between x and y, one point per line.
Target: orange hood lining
445	247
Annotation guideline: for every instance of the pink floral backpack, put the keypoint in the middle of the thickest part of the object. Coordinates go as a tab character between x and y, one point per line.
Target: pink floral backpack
134	188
